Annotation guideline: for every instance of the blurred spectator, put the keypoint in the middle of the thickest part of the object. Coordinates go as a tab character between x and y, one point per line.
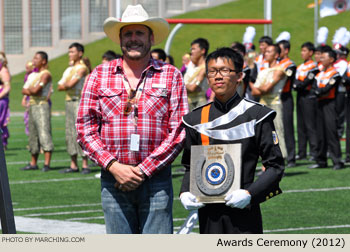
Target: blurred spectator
195	79
109	56
186	59
5	88
158	54
170	60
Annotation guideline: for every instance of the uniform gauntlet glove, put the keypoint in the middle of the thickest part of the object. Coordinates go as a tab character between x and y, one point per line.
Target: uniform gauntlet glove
239	199
189	201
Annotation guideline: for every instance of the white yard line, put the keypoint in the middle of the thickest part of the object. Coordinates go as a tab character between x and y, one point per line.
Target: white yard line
39	161
49	180
43	226
63	213
291	229
306	228
318	189
54	207
102	217
86	218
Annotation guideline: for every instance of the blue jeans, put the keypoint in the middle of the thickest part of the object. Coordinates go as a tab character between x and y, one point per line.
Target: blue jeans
146	210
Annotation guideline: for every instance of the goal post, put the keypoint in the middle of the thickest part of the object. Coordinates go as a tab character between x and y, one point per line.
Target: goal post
180	23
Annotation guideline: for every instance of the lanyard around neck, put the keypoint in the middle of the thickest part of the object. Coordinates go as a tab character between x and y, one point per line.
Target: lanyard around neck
139	89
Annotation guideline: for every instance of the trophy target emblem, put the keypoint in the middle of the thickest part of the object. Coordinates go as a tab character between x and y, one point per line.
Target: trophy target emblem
216	178
215	173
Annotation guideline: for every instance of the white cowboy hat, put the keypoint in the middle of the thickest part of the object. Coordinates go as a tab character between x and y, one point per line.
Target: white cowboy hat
135	14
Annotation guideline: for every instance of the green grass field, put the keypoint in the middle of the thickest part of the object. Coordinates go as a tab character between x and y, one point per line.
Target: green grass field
314	201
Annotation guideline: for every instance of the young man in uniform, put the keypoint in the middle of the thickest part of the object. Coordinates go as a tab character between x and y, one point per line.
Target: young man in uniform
346	83
325	88
38	87
341	65
287	100
72	82
228	120
196	84
306	103
260	61
268	86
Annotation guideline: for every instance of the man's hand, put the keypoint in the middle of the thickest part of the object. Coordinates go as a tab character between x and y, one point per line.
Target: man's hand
239	199
189	201
128	177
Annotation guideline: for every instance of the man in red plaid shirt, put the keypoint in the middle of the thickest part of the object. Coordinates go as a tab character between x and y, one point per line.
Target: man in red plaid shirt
129	123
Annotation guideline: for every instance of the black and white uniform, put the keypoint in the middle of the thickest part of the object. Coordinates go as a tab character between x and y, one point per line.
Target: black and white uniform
251	124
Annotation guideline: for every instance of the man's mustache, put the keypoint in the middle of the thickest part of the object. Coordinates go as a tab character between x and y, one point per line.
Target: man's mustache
131	44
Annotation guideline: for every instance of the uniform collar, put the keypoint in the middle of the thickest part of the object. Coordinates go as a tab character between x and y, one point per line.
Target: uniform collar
232	102
310	61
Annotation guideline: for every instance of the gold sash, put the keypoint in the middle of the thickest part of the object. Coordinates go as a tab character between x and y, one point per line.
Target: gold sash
74	93
195	74
38	99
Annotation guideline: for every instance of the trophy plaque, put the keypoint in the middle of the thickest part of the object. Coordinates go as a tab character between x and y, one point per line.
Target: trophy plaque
215	171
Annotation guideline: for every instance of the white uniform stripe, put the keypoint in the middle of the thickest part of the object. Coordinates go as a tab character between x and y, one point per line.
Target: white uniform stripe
226	118
241	131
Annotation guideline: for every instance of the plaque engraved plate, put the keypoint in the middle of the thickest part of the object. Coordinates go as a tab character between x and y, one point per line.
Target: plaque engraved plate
215	171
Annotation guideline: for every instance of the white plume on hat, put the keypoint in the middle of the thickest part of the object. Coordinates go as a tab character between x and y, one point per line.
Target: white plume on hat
346	39
248	37
322	35
283	36
136	14
338	35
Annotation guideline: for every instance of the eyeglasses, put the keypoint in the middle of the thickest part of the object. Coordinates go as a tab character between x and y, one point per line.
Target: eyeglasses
224	72
130	103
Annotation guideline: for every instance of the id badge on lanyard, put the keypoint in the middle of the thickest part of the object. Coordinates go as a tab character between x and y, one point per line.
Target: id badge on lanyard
135	142
135	138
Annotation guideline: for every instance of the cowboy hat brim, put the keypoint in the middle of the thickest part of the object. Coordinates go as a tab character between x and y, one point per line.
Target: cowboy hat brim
159	27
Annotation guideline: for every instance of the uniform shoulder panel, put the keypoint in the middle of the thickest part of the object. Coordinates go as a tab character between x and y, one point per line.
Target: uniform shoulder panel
261	111
200	107
194	117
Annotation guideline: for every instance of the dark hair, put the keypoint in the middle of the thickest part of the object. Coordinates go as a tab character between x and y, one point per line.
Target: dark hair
277	48
87	63
228	54
110	55
43	55
320	48
239	47
326	48
80	47
171	59
330	51
202	43
160	52
309	45
266	39
285	44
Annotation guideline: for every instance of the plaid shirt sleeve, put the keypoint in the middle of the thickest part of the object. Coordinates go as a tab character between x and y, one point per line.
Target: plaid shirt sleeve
171	146
89	121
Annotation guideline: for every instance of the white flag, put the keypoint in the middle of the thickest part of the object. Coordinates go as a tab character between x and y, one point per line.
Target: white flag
333	7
